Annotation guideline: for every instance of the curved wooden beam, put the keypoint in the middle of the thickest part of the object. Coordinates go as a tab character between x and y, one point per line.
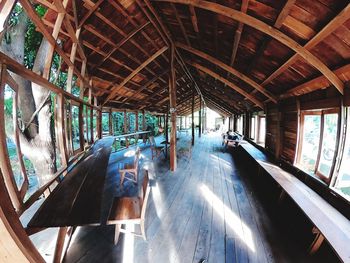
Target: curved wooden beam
227	82
265	28
228	69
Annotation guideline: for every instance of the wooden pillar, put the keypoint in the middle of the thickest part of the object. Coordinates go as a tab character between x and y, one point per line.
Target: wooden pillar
125	122
81	127
166	131
110	122
192	112
136	121
172	99
229	123
200	118
99	124
60	128
143	120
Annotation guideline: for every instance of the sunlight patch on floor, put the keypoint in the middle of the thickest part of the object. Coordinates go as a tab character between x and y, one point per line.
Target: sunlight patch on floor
233	221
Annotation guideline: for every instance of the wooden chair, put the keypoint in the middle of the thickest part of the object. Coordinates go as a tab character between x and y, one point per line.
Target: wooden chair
130	211
156	150
130	168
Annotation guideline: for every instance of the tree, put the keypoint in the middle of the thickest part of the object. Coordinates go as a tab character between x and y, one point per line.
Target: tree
27	46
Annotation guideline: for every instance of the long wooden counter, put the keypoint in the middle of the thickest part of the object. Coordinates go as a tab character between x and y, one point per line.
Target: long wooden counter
334	227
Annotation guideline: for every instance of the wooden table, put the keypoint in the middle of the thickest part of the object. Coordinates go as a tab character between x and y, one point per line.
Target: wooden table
76	201
130	135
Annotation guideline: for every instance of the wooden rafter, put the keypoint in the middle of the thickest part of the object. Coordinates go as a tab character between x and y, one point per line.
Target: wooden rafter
263	27
90	13
228	69
122	42
227	82
238	33
266	40
340	19
178	19
194	18
136	71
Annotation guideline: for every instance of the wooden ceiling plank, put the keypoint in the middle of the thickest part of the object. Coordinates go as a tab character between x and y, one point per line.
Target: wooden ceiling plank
265	28
228	69
316	83
340	19
266	40
136	71
228	83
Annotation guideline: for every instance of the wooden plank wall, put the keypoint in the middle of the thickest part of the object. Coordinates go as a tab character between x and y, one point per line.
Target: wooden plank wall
289	129
271	128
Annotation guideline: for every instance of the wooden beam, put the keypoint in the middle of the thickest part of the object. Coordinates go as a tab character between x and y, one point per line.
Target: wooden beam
42	28
19	69
122	42
178	19
91	11
228	83
340	19
228	69
136	71
172	98
194	19
265	28
238	33
320	82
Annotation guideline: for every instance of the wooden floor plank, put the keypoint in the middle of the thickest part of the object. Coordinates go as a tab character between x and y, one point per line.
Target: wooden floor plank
202	211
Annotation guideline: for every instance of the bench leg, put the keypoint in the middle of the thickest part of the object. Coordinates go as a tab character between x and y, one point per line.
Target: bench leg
116	233
143	232
62	232
317	241
122	176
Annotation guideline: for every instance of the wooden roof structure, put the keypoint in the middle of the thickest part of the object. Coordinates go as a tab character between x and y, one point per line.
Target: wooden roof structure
238	55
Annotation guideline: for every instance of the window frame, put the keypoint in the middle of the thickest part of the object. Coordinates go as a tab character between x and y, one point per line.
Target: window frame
321	113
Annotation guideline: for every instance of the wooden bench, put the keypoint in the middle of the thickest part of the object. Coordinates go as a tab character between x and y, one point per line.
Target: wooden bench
156	150
130	211
131	169
328	222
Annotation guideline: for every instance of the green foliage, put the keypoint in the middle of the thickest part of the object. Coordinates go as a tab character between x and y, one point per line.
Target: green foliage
32	40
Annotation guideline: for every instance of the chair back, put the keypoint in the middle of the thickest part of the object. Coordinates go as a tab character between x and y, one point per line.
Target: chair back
144	194
137	157
152	141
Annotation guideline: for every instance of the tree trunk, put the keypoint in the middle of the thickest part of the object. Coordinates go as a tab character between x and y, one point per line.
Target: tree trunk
37	140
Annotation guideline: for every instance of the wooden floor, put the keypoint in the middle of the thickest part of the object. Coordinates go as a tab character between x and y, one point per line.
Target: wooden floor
202	211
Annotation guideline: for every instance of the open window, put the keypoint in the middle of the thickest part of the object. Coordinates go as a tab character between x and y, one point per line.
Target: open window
342	177
253	127
317	143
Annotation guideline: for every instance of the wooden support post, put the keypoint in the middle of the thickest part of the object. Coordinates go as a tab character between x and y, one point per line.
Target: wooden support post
60	128
200	117
110	122
166	131
99	124
125	122
143	120
136	121
192	112
81	127
172	98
